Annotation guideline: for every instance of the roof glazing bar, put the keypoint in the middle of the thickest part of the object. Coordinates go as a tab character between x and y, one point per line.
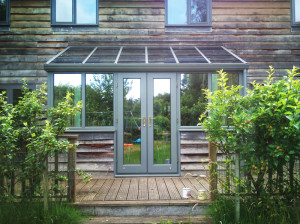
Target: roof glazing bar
208	61
87	58
119	54
56	56
234	55
174	55
146	55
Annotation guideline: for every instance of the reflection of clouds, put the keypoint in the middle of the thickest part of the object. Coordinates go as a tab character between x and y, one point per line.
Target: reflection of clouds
86	11
177	10
297	10
134	91
67	79
63	10
161	86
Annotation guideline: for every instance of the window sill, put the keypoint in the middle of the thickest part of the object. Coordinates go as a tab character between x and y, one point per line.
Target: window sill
4	28
188	29
59	28
295	29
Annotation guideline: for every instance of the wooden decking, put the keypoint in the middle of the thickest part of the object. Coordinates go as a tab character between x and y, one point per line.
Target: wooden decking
142	190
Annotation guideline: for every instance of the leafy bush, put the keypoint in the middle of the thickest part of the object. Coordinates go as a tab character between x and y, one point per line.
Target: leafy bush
33	213
264	128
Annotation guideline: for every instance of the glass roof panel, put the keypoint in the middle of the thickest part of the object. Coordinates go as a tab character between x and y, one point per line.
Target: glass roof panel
74	55
104	55
160	55
132	55
218	55
188	55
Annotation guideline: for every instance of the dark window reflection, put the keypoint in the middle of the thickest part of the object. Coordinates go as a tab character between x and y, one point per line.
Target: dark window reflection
192	98
99	99
198	11
3	8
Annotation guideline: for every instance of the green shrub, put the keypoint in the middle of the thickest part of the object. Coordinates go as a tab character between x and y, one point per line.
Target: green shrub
33	213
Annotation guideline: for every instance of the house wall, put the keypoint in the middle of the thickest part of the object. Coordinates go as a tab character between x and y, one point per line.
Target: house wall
258	31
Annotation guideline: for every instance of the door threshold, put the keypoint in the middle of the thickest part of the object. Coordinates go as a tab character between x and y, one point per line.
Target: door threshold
148	175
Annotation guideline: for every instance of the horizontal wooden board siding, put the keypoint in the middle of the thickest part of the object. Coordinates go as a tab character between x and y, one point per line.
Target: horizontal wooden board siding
258	31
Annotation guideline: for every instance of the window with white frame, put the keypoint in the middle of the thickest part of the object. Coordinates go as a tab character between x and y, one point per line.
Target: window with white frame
188	13
74	12
295	13
4	13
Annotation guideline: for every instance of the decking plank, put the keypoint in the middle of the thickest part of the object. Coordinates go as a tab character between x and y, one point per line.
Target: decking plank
79	186
94	190
85	190
143	189
162	189
152	188
123	191
133	190
100	196
112	193
179	185
186	182
174	193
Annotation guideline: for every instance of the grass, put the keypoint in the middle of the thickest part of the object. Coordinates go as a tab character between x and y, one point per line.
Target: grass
162	151
254	211
33	213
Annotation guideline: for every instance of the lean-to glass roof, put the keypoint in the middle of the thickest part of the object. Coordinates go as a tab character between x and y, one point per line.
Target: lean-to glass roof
144	59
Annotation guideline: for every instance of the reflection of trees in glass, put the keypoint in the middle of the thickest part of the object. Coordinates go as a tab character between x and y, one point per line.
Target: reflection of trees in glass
198	11
99	100
2	10
60	92
192	98
162	115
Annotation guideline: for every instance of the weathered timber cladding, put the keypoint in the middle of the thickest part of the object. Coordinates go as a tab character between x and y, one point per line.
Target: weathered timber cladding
258	31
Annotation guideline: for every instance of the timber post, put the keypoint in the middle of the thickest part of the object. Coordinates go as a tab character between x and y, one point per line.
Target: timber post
212	154
71	165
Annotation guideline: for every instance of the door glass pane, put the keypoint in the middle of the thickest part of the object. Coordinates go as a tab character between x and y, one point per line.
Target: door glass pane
132	121
177	12
3	9
17	93
86	11
99	99
162	121
192	99
71	83
64	11
198	11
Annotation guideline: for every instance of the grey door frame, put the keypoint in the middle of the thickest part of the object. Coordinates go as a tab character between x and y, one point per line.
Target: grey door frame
147	168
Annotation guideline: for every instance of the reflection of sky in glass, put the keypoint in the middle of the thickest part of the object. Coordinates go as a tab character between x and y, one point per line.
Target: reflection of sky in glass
134	89
177	11
297	10
161	86
86	11
90	78
63	10
72	80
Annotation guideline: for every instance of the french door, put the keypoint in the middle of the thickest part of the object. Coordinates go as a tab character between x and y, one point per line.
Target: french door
146	135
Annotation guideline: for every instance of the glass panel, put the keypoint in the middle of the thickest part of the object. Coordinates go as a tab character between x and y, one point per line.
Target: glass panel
192	98
297	11
17	93
160	55
162	121
64	11
218	55
64	83
198	11
188	55
99	99
104	55
132	55
233	79
132	121
177	12
86	12
3	8
74	55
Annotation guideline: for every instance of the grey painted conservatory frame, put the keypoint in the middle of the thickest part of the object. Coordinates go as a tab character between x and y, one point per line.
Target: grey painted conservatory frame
149	59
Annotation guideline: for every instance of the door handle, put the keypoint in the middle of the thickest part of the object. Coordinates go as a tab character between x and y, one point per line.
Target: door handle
144	121
150	121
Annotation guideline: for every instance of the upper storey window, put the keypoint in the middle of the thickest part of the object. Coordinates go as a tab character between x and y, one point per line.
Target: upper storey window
295	15
74	12
188	13
4	12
